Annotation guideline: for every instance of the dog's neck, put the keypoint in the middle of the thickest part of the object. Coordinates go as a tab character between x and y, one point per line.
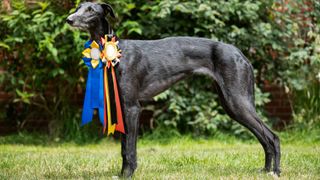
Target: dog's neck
102	28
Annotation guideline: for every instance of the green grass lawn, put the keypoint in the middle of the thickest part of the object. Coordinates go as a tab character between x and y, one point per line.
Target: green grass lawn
177	158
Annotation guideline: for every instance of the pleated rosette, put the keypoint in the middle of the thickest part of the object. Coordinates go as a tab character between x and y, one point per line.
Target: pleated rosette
92	53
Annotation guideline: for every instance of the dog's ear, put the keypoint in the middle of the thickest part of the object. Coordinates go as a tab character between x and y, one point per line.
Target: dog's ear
108	9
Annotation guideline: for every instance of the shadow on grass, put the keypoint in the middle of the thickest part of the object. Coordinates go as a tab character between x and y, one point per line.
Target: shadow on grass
86	174
38	139
163	138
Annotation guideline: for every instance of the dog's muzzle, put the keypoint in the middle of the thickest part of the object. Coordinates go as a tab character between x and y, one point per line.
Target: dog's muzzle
69	21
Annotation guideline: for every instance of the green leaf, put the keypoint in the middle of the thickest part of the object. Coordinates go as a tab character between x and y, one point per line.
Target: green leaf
136	30
4	45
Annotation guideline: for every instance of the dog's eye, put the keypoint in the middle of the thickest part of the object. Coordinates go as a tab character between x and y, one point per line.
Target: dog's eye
89	9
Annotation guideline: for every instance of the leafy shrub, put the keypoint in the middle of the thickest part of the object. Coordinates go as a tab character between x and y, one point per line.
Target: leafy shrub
42	66
307	107
193	106
43	55
263	30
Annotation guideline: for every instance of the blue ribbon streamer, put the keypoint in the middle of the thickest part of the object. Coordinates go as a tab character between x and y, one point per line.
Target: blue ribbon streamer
94	97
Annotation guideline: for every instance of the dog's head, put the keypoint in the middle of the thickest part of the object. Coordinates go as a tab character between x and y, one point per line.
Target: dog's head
88	15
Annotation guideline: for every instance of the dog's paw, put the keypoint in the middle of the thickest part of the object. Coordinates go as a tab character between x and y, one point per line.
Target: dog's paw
115	177
264	170
273	174
127	173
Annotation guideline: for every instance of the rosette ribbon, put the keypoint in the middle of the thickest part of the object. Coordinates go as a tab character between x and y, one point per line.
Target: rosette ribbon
102	90
113	111
94	96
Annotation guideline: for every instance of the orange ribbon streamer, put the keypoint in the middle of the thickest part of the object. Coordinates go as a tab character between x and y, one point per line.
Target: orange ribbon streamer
107	113
119	126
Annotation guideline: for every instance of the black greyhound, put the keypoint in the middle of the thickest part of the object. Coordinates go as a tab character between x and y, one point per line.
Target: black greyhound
150	67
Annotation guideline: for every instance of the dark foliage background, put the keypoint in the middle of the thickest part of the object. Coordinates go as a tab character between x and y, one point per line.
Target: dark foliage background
44	72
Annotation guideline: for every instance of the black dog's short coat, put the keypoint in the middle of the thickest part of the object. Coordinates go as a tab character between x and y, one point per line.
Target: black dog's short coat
150	67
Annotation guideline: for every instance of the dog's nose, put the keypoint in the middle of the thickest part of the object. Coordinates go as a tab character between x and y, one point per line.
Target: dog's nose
69	21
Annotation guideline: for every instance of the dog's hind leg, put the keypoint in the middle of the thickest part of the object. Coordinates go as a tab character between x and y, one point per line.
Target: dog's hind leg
129	140
241	111
235	85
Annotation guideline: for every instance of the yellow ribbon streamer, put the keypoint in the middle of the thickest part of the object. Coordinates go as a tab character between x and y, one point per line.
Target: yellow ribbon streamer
111	127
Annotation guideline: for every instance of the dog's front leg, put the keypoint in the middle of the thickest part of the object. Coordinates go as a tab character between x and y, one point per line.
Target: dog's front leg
129	140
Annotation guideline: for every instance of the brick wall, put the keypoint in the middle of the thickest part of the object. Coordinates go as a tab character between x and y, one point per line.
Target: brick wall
279	108
6	127
3	96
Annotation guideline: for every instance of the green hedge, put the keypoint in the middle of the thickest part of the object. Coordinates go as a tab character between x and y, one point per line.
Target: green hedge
44	56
